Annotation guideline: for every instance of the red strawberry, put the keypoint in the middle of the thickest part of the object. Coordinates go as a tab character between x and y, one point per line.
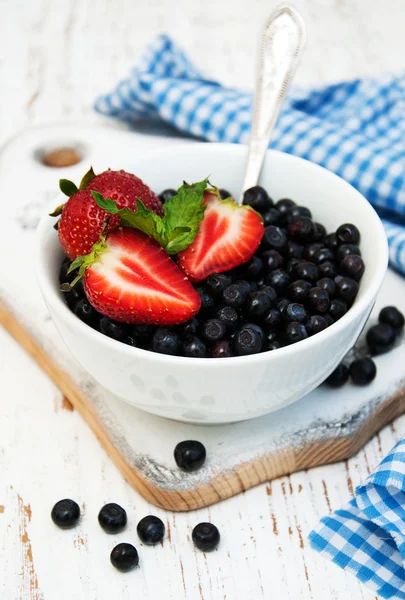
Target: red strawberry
229	235
82	220
133	280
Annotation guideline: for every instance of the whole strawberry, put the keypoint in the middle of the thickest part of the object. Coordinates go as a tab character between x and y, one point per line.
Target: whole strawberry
82	220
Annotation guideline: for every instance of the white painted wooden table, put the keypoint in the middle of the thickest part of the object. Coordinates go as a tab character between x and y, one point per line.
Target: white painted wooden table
55	57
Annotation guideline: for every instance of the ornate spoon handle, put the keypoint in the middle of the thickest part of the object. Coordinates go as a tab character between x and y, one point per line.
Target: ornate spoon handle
280	49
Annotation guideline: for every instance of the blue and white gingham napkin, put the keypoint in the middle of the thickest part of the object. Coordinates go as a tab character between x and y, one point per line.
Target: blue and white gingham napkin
356	128
367	537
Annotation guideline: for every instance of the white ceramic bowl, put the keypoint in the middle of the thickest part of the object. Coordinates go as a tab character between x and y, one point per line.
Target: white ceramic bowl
231	389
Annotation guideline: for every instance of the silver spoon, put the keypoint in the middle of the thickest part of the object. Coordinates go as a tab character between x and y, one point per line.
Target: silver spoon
280	49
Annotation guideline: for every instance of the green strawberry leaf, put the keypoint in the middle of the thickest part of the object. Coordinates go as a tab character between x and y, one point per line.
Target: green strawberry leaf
67	187
86	179
177	229
57	211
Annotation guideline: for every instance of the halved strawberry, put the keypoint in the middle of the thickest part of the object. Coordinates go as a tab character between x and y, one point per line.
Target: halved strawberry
82	220
130	278
229	235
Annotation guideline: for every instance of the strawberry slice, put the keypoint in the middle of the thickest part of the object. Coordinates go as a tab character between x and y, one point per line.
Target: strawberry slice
130	278
229	235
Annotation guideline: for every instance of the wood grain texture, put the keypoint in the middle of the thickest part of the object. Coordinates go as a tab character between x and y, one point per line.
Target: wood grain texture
55	57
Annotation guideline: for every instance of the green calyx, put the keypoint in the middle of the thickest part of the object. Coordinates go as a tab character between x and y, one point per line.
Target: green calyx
69	188
177	229
83	262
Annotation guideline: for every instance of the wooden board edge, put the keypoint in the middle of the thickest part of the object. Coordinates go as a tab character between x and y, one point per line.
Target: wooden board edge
262	469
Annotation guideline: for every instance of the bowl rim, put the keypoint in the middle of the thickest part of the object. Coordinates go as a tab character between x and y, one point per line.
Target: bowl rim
52	297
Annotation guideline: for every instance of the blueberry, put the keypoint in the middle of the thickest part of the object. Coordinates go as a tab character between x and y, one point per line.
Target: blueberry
331	241
189	328
327	269
320	231
297	211
274	238
236	294
113	329
291	264
213	330
252	269
295	332
362	371
272	217
273	345
272	336
295	312
65	514
222	350
254	286
311	249
348	234
272	260
278	280
215	284
272	320
346	288
323	255
207	301
318	299
151	530
353	266
392	316
284	205
337	309
112	518
74	296
346	249
294	250
315	324
194	348
257	198
130	340
328	285
166	195
282	305
142	331
381	338
86	313
190	455
307	271
124	557
339	377
166	341
229	316
224	194
302	230
258	305
298	290
248	340
64	277
205	536
329	319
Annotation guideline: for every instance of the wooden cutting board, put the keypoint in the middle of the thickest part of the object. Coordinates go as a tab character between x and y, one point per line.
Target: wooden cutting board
325	426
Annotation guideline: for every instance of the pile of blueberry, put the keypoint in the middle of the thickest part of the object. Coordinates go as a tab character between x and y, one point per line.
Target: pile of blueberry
299	282
189	455
380	338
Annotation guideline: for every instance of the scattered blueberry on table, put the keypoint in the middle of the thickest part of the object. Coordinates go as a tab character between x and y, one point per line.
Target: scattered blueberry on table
206	536
66	513
112	518
190	455
124	557
151	530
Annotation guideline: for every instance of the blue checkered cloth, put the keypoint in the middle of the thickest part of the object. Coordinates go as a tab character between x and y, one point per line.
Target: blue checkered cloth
367	537
355	129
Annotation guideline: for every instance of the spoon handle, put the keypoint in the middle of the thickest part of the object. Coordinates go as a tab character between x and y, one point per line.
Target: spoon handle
280	49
